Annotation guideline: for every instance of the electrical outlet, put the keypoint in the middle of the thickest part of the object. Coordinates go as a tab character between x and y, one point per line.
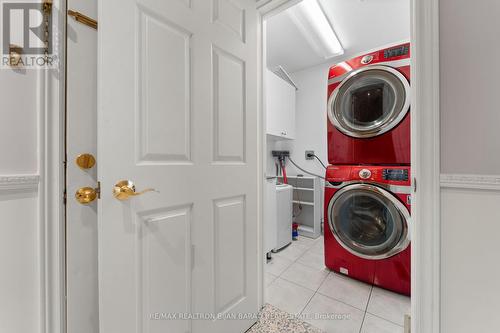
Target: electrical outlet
309	154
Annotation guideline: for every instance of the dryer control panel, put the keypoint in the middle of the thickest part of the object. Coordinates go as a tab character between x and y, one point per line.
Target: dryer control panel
398	175
398	51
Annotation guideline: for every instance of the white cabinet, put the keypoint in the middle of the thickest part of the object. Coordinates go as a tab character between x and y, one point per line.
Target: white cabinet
280	106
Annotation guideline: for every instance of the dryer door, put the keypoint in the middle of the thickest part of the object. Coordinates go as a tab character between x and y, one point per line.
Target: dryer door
368	221
370	101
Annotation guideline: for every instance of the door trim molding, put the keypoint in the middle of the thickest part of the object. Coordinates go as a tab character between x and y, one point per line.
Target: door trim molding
426	235
426	154
19	183
52	103
471	181
425	158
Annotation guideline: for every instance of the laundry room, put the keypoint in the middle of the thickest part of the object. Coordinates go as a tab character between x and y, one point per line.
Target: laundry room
336	98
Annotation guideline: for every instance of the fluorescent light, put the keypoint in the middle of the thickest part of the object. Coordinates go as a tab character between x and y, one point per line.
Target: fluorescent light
314	25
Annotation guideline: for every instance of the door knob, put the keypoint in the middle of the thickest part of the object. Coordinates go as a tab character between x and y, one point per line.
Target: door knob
86	195
85	161
125	189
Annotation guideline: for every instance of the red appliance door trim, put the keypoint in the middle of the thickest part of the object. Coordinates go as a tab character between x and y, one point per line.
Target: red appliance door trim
387	76
400	238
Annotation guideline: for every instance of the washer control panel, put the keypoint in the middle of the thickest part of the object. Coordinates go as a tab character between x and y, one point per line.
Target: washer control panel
395	174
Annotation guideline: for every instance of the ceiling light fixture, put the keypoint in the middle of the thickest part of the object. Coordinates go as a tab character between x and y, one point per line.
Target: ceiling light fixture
314	25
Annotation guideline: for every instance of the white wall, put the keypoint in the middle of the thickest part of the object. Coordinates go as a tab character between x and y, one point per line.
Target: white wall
470	151
311	119
20	271
20	285
470	81
311	122
469	264
18	122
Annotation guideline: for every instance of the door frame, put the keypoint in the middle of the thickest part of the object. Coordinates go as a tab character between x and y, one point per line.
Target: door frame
425	164
426	238
51	124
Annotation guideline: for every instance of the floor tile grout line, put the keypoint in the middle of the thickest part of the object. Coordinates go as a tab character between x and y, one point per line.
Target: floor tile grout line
366	309
290	265
294	261
297	284
340	301
315	292
379	316
388	320
305	306
274	279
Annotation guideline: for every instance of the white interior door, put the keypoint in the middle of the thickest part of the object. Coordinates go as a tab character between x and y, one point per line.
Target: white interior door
81	128
178	113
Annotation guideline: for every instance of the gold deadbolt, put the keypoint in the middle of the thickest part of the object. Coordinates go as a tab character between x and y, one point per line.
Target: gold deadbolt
86	195
125	189
85	161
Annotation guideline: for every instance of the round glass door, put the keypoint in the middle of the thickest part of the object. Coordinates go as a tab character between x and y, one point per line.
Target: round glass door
370	102
368	221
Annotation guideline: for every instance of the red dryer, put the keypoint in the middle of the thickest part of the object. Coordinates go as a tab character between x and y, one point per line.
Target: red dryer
368	109
367	224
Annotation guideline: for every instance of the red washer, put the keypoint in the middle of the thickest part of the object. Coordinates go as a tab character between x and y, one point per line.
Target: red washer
367	224
368	109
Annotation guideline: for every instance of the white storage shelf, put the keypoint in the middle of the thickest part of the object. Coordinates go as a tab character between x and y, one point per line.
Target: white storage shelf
306	194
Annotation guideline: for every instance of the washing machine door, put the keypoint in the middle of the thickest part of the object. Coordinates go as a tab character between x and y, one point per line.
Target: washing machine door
369	221
370	101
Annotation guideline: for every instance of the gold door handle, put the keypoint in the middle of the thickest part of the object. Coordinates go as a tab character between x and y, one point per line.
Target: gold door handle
125	189
86	195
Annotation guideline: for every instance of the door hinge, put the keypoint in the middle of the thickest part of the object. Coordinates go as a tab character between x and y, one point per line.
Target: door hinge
65	196
98	190
414	185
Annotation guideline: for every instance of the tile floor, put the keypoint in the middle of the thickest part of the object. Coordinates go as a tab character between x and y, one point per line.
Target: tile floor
298	282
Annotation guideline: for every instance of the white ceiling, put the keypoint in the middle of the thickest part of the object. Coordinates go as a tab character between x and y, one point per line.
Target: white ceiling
360	25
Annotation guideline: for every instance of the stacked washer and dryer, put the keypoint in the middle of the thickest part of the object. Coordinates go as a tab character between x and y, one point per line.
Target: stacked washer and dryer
368	181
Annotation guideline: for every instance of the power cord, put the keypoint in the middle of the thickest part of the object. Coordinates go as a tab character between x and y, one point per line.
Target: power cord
305	171
319	160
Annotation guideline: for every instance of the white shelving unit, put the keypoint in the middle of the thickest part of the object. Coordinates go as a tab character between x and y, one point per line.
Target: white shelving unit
307	195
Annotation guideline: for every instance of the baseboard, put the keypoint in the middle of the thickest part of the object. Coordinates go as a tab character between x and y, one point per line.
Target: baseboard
12	183
467	181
